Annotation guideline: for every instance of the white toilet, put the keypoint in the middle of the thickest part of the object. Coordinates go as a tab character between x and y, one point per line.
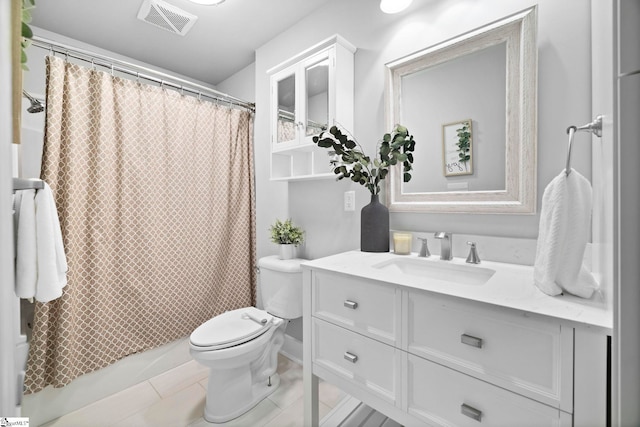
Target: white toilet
241	346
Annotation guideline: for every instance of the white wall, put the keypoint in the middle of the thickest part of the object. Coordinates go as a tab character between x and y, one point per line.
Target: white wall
564	89
242	84
271	197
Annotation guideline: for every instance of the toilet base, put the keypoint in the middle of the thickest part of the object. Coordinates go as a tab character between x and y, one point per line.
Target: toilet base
259	392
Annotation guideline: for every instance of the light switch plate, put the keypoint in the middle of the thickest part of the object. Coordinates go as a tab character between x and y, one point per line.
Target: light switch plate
349	201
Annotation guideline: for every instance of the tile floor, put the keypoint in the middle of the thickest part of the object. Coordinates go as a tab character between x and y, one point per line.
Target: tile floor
176	398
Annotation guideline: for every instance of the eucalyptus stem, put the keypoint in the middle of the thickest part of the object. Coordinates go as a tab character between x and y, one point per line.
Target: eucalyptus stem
395	147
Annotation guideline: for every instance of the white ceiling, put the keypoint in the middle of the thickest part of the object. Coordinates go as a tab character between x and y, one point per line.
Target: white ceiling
222	41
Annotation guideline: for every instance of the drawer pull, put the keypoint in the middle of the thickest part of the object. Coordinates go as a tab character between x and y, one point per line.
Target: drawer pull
470	340
350	304
350	357
471	412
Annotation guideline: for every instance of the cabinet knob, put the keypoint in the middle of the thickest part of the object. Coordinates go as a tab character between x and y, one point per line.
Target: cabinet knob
350	357
471	340
471	412
350	304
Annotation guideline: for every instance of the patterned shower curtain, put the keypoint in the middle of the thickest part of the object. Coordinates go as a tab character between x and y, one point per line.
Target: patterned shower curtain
156	202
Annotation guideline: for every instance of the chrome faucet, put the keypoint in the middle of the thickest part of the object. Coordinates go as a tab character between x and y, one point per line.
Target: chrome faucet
445	245
424	249
473	257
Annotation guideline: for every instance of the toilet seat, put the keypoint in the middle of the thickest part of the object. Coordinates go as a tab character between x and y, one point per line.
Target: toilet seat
231	328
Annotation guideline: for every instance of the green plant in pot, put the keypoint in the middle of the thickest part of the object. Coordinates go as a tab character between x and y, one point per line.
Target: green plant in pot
396	148
288	236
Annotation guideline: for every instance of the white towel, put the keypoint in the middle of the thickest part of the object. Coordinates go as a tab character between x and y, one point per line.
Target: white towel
565	221
26	257
52	261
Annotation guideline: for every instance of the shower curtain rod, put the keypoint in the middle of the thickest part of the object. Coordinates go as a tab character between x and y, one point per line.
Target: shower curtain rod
138	71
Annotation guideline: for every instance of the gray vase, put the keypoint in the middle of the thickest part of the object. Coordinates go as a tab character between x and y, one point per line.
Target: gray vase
374	227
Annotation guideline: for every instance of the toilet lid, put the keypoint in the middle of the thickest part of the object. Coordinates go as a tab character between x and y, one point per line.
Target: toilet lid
232	328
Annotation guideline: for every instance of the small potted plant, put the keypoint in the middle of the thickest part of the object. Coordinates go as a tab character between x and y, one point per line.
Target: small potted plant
288	236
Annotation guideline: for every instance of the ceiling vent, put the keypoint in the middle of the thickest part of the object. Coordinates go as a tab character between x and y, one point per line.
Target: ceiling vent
166	16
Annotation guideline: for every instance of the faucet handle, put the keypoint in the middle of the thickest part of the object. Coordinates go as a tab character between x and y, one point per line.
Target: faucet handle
473	257
424	249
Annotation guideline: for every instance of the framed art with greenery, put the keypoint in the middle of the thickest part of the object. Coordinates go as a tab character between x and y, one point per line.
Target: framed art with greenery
457	152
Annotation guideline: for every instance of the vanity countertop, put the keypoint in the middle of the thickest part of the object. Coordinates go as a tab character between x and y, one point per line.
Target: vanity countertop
511	286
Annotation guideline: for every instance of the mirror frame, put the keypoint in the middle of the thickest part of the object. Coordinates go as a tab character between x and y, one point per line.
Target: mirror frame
519	31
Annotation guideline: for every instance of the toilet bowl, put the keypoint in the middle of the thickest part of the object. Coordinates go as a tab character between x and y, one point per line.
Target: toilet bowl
240	347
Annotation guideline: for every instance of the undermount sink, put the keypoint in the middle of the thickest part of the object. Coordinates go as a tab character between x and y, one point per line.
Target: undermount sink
438	270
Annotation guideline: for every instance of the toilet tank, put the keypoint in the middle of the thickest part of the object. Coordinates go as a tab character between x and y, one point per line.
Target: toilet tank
280	282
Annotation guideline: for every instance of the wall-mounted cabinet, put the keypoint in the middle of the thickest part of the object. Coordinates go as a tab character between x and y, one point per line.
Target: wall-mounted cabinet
309	93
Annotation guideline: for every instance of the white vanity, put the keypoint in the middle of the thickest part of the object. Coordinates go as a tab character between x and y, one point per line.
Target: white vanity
431	342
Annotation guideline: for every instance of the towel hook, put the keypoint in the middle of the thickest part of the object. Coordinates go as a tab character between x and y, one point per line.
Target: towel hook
595	127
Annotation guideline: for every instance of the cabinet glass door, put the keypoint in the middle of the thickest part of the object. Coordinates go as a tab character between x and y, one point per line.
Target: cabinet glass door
287	109
317	97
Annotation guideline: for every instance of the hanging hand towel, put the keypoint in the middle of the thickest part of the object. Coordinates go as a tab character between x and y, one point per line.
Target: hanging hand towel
26	257
52	261
564	227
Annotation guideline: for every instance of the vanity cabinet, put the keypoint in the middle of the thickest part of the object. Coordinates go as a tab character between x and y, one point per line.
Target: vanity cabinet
423	358
309	93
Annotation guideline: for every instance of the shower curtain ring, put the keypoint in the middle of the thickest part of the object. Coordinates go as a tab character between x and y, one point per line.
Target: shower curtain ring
111	70
93	64
66	56
199	96
137	76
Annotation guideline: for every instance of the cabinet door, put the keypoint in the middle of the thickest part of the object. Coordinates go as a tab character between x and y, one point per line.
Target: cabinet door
444	397
371	366
366	307
315	94
284	116
300	101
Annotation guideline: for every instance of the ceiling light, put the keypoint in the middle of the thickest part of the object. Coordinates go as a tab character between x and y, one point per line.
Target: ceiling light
393	6
208	2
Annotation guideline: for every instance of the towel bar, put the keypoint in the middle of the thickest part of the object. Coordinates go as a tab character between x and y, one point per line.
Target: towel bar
27	184
595	127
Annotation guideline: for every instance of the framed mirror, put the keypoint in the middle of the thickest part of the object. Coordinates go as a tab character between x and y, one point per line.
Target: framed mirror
471	104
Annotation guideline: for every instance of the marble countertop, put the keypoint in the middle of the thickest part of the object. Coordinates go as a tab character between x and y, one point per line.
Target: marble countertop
511	286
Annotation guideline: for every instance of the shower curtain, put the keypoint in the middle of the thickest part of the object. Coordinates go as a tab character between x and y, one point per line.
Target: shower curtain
155	193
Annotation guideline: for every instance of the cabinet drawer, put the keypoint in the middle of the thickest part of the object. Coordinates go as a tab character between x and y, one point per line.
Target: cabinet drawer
530	356
442	396
367	363
357	304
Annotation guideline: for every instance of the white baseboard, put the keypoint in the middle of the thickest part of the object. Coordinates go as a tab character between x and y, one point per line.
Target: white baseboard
292	348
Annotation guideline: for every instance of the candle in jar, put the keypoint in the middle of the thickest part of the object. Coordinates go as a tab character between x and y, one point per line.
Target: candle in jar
402	243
